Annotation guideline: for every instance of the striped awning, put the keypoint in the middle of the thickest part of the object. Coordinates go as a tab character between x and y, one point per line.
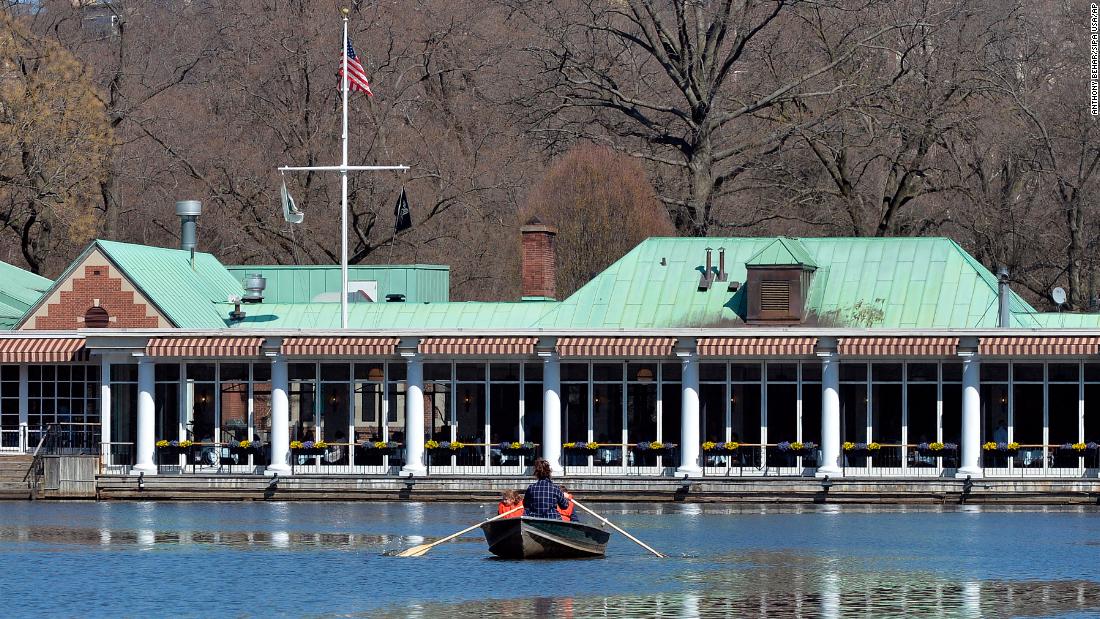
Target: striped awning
42	350
756	346
1024	346
339	346
478	345
898	346
204	347
616	346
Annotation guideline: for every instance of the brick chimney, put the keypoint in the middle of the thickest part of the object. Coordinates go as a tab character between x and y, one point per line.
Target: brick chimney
539	255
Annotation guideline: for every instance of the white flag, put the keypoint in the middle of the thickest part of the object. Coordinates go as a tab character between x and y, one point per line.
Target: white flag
290	211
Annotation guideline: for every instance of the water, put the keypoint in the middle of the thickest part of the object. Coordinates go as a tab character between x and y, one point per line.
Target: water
327	559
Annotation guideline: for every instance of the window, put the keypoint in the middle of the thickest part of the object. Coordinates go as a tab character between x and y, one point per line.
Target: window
96	318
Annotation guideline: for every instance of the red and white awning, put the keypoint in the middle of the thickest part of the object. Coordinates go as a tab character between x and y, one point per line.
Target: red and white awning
616	346
42	350
478	345
898	346
756	346
204	347
339	346
1025	346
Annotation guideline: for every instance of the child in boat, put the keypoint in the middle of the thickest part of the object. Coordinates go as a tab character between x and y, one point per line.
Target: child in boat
567	514
509	501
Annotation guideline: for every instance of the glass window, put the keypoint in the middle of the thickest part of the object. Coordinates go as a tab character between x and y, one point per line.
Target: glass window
575	415
923	405
574	371
952	372
641	372
811	412
1062	402
745	372
671	371
470	412
297	371
994	372
1092	372
1063	372
504	371
120	372
1027	372
886	413
437	371
886	372
374	372
470	371
712	372
641	412
782	412
167	372
607	371
234	403
952	413
994	402
1027	414
335	371
261	372
671	397
607	413
504	412
782	372
922	372
744	414
853	371
811	371
532	372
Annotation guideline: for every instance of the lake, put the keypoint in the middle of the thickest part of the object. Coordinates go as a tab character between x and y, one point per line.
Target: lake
328	559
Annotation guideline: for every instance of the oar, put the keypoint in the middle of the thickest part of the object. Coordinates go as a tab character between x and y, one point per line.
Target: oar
420	550
619	529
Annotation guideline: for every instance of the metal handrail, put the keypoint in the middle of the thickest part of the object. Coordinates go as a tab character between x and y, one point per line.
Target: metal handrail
36	469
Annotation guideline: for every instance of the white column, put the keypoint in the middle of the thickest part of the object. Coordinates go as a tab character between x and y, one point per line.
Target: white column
970	447
146	419
280	418
689	419
551	411
105	410
414	416
24	408
830	415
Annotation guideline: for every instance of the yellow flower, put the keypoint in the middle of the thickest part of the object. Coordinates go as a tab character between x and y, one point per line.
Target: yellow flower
592	445
873	446
431	445
990	446
380	445
320	445
185	444
245	444
1079	447
936	446
515	445
656	445
848	446
796	446
162	443
1013	446
295	444
569	445
457	445
731	446
709	446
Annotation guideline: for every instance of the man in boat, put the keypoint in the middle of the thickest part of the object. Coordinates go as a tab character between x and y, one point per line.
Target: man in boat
543	498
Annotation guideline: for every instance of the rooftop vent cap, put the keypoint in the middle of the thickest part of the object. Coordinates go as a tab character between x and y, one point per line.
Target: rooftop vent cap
395	298
254	286
189	211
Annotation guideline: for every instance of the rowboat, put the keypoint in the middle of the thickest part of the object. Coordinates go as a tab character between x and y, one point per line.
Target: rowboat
541	538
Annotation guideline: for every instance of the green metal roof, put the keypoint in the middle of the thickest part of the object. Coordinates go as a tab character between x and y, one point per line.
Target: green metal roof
303	284
459	315
783	251
191	297
19	290
859	282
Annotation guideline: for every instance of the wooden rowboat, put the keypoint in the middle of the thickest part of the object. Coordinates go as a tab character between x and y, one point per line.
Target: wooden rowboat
541	538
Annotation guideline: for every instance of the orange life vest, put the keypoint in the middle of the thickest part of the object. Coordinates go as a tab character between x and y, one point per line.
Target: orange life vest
503	507
567	513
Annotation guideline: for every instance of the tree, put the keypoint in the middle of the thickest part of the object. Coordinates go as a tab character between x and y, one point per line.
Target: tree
694	86
54	139
602	205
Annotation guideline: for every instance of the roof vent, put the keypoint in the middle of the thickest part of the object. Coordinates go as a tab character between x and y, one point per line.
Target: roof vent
188	211
395	298
254	286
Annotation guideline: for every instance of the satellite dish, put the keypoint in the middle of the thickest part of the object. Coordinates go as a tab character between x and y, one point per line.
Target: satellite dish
1058	295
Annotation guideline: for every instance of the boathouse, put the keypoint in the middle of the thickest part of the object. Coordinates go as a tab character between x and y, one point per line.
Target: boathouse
888	357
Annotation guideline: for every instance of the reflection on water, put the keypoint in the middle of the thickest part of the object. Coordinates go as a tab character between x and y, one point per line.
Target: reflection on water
328	559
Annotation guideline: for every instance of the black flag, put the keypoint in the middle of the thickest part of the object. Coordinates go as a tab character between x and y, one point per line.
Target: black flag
402	215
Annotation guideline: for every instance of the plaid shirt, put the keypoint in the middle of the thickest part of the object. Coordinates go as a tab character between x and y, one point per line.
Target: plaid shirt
542	500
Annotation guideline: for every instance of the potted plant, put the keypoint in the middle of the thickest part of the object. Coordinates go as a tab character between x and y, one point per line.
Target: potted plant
384	448
308	448
1074	449
720	449
936	449
861	449
245	447
654	447
516	448
578	446
1009	449
174	448
796	448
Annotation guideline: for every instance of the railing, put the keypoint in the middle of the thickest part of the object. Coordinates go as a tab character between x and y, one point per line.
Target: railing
33	477
10	440
1038	460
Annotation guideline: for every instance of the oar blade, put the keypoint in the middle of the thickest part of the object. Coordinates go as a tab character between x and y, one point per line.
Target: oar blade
415	551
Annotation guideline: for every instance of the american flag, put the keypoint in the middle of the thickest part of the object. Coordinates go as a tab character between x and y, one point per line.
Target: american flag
357	76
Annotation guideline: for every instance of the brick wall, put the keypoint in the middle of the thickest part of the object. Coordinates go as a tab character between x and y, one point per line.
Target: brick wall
96	288
539	260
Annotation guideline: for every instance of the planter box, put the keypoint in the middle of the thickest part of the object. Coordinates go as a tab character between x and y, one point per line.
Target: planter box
528	452
664	451
309	452
175	452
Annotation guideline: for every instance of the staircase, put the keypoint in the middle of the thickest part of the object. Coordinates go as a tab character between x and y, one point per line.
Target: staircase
13	472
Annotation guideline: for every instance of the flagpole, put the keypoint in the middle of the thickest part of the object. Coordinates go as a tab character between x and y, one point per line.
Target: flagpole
344	189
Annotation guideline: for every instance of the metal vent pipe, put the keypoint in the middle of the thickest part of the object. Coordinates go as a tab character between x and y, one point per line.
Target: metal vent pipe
1004	313
188	211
